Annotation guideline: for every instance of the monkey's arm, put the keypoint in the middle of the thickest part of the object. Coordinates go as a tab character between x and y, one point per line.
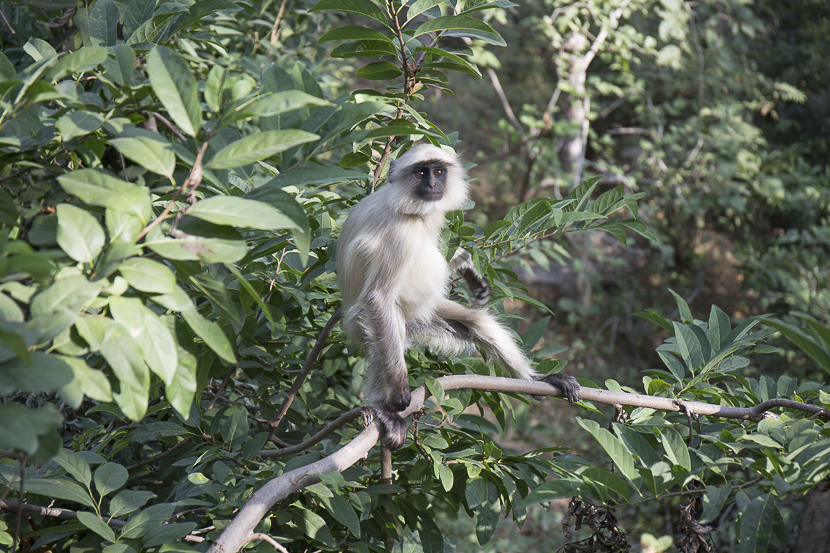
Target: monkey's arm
462	263
387	388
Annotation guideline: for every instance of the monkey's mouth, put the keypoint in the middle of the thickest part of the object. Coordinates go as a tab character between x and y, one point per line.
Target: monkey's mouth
430	195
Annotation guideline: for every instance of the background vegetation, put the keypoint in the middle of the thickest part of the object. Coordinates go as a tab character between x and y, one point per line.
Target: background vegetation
173	176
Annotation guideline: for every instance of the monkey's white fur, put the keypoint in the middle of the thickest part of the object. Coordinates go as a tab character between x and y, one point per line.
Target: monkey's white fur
393	280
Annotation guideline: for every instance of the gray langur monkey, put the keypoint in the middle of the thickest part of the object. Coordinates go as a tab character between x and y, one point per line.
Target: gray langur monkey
394	279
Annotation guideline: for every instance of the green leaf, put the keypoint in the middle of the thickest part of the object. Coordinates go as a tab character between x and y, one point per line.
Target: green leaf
818	352
79	233
444	54
141	522
420	6
689	345
463	26
61	489
85	381
354	33
175	86
194	248
210	332
235	427
719	328
148	275
124	358
241	212
167	533
15	343
153	336
103	189
136	14
94	523
675	366
432	540
39	49
120	66
47	373
362	7
616	450
127	501
312	525
676	449
271	104
656	317
606	201
549	491
150	150
343	512
75	465
29	430
109	477
488	513
364	49
713	502
78	123
255	147
683	307
103	23
379	70
756	524
70	293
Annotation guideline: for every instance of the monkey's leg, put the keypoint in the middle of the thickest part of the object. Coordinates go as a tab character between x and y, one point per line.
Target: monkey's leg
462	263
454	324
387	388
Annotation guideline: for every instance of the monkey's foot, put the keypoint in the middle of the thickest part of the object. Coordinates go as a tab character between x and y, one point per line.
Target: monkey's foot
394	428
566	384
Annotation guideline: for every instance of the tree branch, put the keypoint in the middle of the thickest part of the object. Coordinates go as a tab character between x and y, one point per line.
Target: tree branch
317	438
298	382
158	457
241	527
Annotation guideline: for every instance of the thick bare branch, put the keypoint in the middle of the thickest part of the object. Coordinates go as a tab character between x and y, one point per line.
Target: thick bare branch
241	528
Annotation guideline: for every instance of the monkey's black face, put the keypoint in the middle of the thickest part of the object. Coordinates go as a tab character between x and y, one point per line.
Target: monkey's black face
429	178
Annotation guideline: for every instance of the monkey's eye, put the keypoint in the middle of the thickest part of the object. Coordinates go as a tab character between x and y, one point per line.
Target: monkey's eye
439	172
420	173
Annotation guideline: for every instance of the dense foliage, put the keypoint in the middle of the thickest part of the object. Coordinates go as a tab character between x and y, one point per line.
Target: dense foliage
174	176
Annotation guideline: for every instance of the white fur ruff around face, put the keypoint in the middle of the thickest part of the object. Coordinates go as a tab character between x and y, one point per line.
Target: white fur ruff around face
456	191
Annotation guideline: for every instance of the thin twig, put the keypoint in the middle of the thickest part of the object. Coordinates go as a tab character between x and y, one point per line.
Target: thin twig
317	438
275	30
298	382
505	103
266	538
6	21
221	387
158	457
192	181
169	124
22	475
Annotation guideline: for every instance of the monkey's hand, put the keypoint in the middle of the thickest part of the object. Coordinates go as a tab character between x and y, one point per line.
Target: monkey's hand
479	286
566	384
394	428
462	262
